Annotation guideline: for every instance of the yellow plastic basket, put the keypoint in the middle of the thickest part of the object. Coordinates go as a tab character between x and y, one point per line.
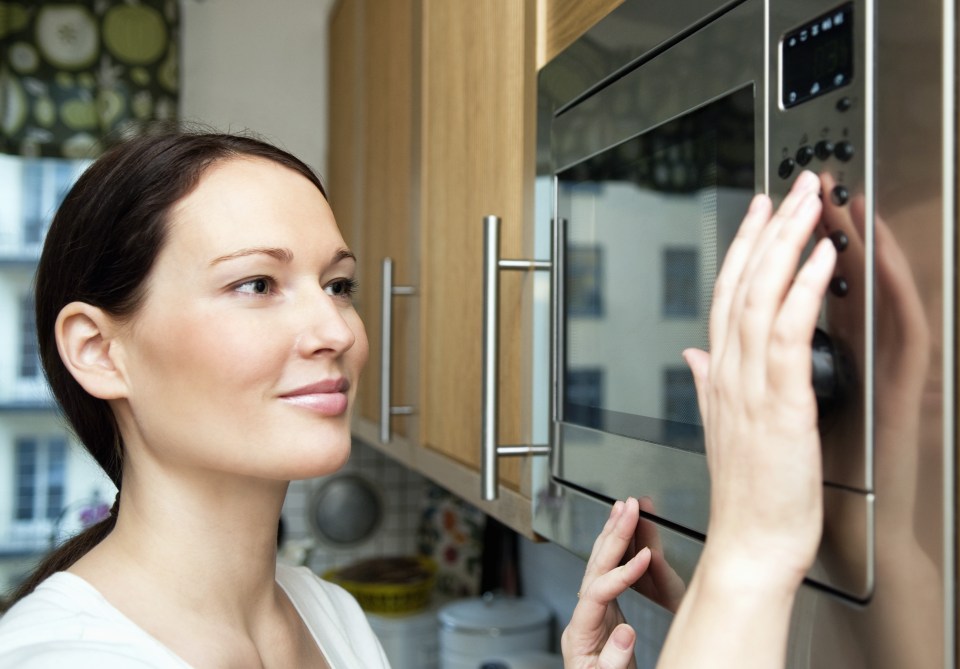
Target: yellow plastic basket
391	586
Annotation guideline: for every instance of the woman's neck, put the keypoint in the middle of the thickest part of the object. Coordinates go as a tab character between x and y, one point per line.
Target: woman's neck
204	543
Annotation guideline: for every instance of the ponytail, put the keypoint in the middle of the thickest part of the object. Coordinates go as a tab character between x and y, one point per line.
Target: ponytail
62	558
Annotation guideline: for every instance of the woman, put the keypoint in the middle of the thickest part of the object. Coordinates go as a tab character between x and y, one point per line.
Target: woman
195	323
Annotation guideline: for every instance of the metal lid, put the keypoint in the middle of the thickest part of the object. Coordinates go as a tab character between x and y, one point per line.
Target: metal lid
493	616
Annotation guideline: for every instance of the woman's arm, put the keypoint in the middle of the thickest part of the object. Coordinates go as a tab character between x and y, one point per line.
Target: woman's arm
763	446
763	453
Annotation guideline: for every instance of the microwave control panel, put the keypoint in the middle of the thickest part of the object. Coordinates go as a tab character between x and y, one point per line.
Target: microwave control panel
819	119
820	102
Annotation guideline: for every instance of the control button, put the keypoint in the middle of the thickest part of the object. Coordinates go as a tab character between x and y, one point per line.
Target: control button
824	149
840	240
843	150
786	168
839	195
839	286
844	104
805	154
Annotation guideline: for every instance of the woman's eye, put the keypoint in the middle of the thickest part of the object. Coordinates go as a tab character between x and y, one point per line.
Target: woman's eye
343	288
259	286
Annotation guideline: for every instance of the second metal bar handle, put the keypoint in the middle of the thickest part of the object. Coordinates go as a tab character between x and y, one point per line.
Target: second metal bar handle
386	350
489	450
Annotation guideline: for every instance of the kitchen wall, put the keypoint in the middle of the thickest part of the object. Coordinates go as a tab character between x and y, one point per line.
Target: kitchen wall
249	64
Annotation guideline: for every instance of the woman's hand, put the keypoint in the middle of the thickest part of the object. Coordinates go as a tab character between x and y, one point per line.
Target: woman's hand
755	391
762	441
597	636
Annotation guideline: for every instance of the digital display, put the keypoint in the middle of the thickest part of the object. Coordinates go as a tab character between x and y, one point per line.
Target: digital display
817	57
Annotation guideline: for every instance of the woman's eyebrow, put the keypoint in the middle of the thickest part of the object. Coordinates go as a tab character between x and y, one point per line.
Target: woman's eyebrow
283	255
344	254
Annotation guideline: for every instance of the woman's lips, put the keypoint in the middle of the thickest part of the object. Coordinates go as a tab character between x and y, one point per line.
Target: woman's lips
327	398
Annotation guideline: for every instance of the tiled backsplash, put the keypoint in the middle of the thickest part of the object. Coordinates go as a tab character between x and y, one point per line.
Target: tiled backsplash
419	518
401	492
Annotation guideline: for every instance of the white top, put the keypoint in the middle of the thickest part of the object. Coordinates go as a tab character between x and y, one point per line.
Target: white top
66	622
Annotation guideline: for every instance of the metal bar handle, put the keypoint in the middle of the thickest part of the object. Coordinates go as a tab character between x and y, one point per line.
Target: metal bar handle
489	450
386	349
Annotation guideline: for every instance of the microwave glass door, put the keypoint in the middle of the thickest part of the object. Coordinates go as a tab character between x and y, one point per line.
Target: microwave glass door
646	224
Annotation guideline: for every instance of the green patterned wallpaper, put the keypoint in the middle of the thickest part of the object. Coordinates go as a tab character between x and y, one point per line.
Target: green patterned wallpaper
75	74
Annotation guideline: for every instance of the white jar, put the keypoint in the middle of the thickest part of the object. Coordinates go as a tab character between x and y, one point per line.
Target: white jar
409	641
480	630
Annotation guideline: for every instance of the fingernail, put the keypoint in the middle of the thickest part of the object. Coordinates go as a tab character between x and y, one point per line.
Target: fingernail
757	201
808	201
824	253
622	638
807	181
617	508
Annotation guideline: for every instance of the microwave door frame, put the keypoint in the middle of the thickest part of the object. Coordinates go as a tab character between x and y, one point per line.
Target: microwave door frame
689	479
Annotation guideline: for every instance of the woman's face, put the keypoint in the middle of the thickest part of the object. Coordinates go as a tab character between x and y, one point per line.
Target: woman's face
245	354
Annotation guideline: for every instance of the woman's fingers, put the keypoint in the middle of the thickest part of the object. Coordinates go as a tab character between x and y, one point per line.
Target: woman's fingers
613	540
618	652
606	588
737	257
605	578
765	296
588	631
796	321
748	254
699	363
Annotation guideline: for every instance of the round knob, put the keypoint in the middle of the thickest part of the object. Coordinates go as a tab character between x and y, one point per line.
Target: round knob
824	149
786	168
832	379
844	151
805	154
825	377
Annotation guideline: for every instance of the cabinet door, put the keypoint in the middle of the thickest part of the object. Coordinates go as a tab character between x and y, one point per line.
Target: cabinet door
345	147
478	107
388	196
372	177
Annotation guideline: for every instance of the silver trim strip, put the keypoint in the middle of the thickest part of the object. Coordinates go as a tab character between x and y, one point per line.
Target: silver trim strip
949	336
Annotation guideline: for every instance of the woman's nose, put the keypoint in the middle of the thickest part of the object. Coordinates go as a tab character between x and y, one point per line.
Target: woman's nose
324	325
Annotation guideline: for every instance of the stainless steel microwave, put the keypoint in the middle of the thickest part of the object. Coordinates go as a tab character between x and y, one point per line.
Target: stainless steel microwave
654	131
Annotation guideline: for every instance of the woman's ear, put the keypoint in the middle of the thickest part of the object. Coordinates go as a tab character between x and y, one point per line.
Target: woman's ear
85	340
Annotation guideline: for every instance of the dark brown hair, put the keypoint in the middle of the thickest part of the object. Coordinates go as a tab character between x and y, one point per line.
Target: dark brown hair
100	249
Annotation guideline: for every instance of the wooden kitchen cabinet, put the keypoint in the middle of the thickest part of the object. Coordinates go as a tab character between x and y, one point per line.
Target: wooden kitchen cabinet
372	178
432	127
478	143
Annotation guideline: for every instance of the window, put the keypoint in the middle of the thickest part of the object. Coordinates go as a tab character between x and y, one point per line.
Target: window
40	473
34	212
681	283
584	285
29	367
680	396
42	188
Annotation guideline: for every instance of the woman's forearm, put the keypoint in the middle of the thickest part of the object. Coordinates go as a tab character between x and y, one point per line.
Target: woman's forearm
733	615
